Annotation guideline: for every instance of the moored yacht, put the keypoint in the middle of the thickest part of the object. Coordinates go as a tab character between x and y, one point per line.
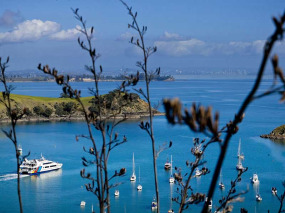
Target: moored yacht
210	203
167	165
258	197
274	190
37	166
133	177
221	184
171	178
153	204
254	178
139	187
198	172
239	165
19	150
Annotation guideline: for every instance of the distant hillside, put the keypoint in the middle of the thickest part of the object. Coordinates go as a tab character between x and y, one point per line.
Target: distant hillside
46	109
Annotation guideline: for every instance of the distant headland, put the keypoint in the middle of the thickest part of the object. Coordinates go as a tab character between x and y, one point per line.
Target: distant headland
277	134
121	104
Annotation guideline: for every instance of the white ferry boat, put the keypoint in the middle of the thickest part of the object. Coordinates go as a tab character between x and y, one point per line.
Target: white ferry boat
37	166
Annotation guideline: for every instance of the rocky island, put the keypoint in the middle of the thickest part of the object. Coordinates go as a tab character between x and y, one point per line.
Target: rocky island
66	109
277	134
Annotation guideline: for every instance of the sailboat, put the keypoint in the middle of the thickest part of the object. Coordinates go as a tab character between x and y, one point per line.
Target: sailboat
153	204
221	185
239	155
170	209
254	178
19	150
167	165
210	203
239	165
92	211
198	172
171	179
258	196
133	177
274	190
139	188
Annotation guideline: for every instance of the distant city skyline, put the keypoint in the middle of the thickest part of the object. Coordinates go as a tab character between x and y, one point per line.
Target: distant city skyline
188	34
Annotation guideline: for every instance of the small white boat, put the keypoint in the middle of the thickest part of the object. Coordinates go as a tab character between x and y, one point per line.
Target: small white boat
258	197
254	179
274	191
198	172
37	166
170	207
221	185
210	204
133	177
167	165
240	155
239	165
117	193
82	203
171	178
153	204
139	187
19	150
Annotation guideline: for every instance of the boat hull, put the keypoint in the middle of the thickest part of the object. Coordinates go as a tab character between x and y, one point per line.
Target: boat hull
37	173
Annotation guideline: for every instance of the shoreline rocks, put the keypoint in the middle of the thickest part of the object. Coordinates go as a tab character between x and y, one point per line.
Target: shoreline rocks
34	119
277	134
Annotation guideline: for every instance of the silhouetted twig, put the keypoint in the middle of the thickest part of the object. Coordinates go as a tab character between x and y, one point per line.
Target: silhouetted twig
14	113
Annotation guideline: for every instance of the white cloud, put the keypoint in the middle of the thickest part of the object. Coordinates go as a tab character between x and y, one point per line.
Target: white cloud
70	34
181	48
171	36
177	46
126	36
29	30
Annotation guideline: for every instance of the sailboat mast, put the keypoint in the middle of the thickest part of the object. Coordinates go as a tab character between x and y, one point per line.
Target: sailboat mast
133	163
139	174
171	165
238	148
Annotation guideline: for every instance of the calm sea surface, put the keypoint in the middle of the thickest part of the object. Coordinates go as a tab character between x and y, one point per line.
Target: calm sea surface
62	191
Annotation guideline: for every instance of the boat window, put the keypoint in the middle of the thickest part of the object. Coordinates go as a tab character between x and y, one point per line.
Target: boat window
46	166
47	163
53	166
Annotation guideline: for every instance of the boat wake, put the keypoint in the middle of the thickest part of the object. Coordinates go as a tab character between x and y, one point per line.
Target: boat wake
10	177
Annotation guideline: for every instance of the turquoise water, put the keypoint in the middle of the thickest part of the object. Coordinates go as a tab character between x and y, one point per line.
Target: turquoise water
62	190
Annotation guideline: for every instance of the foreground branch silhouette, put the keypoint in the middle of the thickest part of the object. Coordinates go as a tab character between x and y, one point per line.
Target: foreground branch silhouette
14	113
148	76
97	118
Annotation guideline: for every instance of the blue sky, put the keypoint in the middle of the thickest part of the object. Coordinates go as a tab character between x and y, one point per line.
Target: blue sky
190	35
